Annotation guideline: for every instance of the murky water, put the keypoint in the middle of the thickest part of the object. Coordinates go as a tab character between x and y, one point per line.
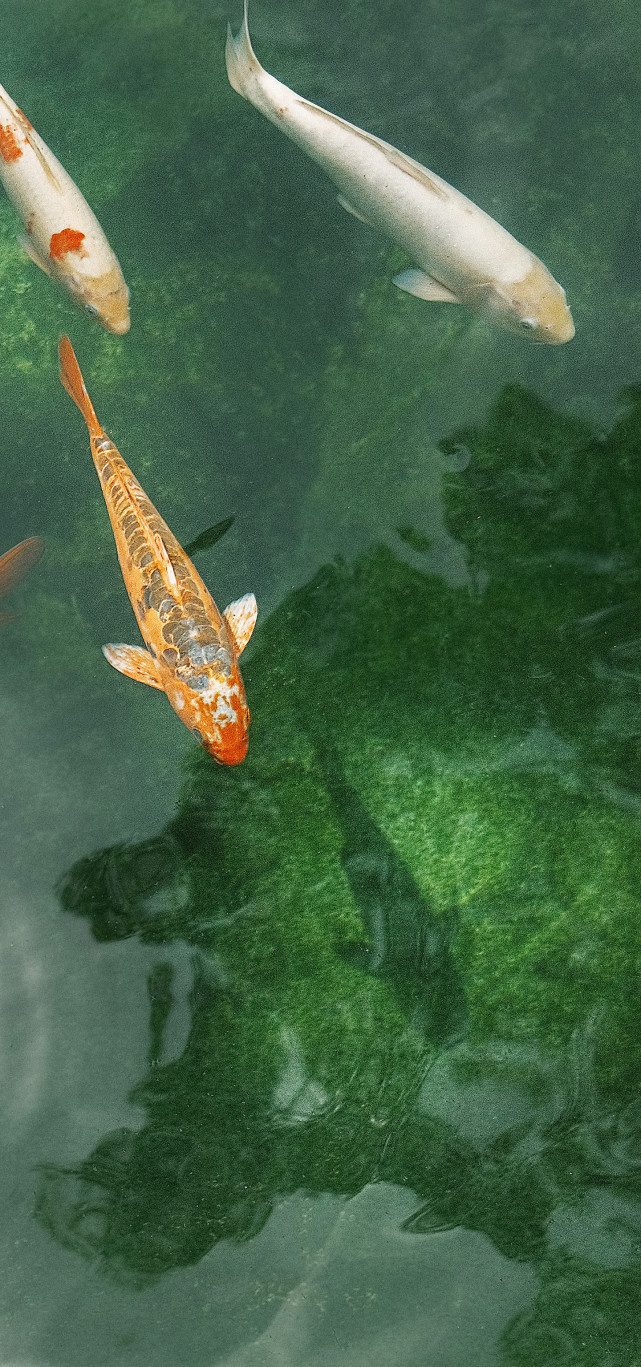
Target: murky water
332	1058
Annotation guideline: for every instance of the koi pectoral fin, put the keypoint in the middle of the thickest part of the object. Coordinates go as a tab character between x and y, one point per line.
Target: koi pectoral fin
345	204
424	286
240	617
29	248
209	537
135	662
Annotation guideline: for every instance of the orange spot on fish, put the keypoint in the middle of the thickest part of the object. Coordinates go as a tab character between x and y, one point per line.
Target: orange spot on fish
69	240
10	150
234	747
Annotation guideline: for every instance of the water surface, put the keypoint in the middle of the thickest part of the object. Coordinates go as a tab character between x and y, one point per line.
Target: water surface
333	1058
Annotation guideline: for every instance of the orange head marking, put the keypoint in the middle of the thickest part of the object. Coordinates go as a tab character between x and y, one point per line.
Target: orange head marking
10	150
69	240
215	712
223	724
230	748
232	715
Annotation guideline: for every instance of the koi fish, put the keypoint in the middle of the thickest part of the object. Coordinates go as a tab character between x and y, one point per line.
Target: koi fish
14	564
64	237
192	650
462	255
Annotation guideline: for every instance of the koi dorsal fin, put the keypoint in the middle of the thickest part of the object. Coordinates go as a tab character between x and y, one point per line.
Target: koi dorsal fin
240	617
164	557
135	662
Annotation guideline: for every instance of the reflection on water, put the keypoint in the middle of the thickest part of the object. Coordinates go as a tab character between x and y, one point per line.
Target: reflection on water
24	1025
335	1056
382	1295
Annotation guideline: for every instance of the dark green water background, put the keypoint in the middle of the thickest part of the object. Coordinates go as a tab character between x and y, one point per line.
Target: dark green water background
331	1060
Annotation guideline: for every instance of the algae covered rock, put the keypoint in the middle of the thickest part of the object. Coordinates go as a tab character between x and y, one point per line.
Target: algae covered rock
414	910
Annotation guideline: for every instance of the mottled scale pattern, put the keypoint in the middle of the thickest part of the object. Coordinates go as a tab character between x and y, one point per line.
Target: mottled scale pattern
181	625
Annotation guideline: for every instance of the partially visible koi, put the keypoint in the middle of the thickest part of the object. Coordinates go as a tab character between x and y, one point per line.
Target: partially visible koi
193	649
16	563
64	237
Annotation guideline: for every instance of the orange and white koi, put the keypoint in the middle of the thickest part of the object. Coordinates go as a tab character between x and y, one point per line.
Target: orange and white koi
192	649
64	236
14	564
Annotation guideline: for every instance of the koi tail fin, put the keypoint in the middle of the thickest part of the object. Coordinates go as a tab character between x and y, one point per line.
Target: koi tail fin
240	57
74	384
18	561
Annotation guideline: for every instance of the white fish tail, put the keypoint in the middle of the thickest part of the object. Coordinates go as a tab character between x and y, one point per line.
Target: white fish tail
242	62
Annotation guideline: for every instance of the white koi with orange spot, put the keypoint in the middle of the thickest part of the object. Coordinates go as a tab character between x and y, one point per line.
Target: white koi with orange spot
192	649
64	236
462	255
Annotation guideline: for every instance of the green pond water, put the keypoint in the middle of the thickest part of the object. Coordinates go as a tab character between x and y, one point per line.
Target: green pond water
333	1059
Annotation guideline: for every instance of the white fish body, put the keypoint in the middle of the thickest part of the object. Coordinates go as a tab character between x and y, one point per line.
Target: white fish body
63	235
462	255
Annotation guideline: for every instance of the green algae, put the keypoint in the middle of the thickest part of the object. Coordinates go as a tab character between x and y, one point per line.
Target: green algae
431	855
413	908
263	319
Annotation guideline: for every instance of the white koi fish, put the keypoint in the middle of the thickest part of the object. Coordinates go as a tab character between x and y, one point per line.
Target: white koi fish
462	255
64	236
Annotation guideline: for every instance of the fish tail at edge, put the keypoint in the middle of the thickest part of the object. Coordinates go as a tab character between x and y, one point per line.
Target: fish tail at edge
240	56
18	561
71	377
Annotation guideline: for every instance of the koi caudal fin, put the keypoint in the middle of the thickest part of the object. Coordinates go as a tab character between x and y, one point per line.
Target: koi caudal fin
18	561
74	384
242	62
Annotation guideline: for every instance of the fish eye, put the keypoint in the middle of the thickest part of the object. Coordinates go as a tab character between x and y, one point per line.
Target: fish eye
91	308
528	324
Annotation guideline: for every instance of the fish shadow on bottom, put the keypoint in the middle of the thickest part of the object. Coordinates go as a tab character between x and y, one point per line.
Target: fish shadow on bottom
407	946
